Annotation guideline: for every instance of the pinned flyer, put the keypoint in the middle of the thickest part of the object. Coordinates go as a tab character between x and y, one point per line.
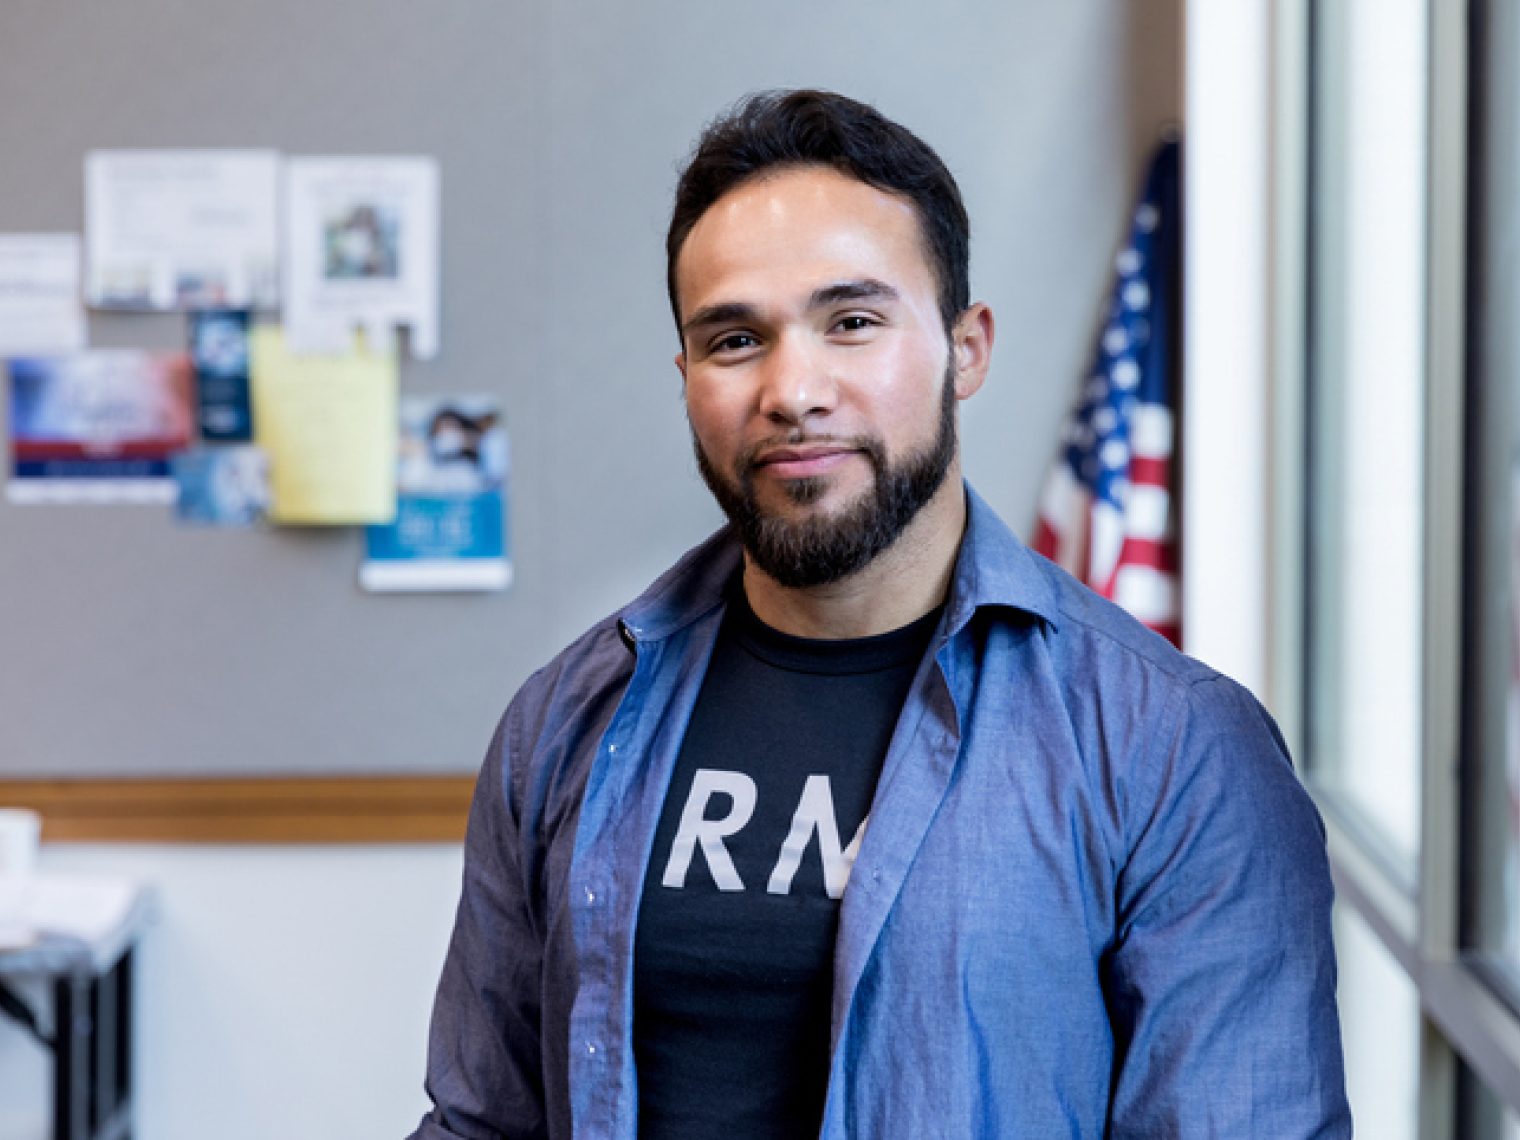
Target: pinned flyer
219	349
41	313
450	529
98	427
328	426
182	229
361	252
221	486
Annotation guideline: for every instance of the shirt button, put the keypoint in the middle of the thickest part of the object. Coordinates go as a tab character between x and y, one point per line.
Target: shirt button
612	749
591	1048
590	897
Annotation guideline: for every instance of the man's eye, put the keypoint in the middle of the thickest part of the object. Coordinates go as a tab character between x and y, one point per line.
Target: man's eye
855	322
734	342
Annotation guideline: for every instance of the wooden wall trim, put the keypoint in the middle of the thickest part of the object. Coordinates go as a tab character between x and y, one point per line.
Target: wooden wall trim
382	809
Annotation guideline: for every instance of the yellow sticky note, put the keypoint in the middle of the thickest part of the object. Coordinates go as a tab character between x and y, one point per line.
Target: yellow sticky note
328	425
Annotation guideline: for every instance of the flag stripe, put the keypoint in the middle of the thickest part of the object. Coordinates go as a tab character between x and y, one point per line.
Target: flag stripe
1151	431
1107	529
1148	594
1152	472
1160	556
1148	512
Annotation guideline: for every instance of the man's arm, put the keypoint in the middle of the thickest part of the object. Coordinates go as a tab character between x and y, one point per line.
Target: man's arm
1221	985
484	1074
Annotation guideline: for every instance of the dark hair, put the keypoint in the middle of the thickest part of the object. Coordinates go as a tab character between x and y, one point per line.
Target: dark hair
778	129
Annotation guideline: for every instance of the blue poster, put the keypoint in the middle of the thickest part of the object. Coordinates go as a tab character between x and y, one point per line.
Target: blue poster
450	531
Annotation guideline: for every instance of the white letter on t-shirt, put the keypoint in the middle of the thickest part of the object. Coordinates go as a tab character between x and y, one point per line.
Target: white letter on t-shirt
815	812
705	783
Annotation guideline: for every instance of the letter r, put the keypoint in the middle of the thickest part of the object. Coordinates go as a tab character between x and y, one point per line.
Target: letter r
696	828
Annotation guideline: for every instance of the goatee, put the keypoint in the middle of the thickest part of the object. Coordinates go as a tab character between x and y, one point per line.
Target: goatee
817	551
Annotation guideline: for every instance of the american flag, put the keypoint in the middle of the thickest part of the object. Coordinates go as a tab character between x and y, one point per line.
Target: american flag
1108	511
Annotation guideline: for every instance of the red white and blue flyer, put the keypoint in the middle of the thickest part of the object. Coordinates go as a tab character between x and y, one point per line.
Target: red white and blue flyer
99	426
450	532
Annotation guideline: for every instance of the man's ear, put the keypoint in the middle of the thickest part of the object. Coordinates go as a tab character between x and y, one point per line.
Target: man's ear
971	342
681	365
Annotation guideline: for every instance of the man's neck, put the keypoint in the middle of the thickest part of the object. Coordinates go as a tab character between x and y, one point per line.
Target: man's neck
900	585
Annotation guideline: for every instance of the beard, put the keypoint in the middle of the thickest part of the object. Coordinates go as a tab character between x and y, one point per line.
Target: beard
820	550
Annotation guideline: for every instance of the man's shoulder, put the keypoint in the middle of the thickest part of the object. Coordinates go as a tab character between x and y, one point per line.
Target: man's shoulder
1104	657
1097	626
1177	710
601	660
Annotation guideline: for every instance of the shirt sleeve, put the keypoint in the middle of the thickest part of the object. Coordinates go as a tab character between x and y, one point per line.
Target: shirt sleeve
484	1074
1221	983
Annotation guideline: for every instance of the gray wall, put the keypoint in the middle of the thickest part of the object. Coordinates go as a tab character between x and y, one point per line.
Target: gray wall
132	647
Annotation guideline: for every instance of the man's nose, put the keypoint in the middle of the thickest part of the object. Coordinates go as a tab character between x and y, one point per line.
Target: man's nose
796	381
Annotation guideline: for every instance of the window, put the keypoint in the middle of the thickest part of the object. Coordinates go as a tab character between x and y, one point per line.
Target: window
1484	1116
1380	1027
1491	773
1365	414
1412	547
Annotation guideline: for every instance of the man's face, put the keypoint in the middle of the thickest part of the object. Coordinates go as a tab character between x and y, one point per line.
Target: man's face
820	383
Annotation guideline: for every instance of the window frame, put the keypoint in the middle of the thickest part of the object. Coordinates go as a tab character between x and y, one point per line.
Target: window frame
1468	1017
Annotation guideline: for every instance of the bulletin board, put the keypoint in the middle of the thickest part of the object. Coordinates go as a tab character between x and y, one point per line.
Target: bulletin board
162	681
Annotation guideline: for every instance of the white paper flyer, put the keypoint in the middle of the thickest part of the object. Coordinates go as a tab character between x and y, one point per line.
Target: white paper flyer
182	229
41	313
361	252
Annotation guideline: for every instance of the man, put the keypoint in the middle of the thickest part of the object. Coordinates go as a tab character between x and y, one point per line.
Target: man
864	819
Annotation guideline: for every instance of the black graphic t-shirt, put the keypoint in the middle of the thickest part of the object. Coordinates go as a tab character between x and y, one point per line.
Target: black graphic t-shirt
734	949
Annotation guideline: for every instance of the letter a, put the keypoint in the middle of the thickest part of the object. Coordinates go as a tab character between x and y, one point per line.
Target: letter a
695	828
815	812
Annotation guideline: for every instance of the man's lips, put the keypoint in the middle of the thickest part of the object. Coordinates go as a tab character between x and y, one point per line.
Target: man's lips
803	461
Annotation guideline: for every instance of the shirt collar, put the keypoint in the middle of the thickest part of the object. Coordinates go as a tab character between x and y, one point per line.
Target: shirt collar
993	568
690	589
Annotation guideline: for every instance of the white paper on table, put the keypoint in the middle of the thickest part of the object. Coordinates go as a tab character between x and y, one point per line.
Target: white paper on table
16	929
89	907
41	313
361	252
182	229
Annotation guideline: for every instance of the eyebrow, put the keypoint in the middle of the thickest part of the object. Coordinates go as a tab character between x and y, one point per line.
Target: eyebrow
720	314
865	289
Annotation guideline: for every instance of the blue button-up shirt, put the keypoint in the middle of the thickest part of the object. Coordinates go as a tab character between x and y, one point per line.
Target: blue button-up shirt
1092	900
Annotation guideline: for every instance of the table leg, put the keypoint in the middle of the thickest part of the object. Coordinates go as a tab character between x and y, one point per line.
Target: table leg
72	1034
124	979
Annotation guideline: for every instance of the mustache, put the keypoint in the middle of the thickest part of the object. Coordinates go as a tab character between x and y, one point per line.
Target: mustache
749	457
